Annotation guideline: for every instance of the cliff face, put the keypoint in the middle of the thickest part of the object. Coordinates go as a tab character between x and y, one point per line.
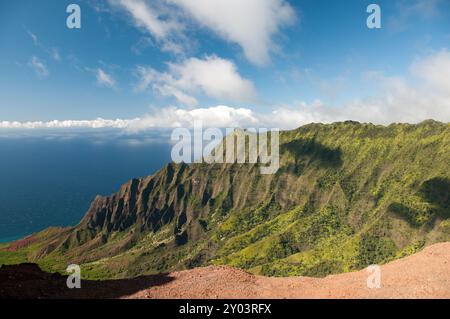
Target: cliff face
346	195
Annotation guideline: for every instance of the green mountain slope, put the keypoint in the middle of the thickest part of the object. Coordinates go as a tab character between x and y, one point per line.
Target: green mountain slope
346	195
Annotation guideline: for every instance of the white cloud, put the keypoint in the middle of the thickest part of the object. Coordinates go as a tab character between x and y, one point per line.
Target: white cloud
180	96
212	76
146	17
38	66
435	70
218	116
252	24
151	17
104	78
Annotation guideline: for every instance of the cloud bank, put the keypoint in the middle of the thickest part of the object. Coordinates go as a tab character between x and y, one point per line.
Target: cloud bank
57	124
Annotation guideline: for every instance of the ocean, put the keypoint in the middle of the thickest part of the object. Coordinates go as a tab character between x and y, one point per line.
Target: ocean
49	179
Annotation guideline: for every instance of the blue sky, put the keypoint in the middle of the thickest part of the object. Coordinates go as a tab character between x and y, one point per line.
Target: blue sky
269	62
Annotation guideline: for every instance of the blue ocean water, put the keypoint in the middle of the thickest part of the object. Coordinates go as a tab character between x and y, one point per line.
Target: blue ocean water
50	179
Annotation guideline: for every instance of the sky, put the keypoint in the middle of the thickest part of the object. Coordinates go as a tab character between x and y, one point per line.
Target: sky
137	64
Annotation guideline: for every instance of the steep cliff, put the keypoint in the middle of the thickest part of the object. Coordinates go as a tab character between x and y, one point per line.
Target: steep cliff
346	195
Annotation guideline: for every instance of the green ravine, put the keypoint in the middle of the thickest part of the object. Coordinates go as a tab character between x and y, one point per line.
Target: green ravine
346	195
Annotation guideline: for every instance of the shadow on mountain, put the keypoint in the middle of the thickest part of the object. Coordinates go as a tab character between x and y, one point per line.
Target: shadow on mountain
414	217
308	151
28	281
436	192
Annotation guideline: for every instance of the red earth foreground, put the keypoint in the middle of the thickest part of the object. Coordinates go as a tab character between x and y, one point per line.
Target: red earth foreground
423	275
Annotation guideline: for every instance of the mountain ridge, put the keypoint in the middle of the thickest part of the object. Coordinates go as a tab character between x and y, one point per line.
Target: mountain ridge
346	195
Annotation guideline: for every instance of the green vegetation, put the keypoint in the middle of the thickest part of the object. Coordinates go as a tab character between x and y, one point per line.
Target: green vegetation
346	195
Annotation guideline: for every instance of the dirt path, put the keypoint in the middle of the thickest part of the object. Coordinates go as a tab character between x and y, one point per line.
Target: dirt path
423	275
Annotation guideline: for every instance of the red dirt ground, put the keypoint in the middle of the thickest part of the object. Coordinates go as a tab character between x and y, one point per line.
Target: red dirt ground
423	275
